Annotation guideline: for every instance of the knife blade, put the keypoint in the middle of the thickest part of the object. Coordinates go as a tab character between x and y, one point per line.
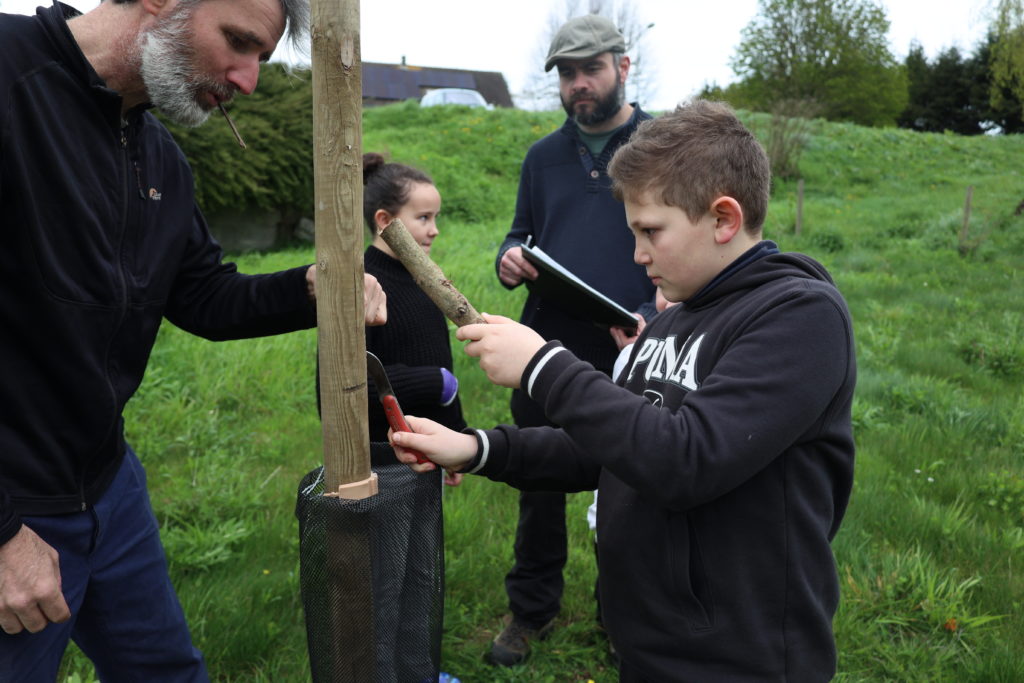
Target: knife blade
388	400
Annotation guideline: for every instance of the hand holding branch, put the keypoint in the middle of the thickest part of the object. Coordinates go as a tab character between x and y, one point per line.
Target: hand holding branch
503	346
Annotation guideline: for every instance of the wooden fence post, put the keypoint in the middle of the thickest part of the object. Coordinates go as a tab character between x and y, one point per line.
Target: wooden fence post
963	246
799	207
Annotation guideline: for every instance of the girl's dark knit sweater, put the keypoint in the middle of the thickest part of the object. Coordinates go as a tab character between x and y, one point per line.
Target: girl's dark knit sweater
413	346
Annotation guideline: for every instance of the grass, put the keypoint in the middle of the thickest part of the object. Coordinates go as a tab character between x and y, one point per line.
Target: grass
929	555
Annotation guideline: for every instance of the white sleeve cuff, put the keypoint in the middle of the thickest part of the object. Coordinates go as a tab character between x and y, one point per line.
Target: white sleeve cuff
485	449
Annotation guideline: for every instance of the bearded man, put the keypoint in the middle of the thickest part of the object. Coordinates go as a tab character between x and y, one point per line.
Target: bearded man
102	240
565	207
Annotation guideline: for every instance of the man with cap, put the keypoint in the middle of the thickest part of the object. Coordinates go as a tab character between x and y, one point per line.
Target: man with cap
565	207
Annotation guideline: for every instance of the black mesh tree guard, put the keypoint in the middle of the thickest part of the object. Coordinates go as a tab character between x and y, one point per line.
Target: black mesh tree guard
372	578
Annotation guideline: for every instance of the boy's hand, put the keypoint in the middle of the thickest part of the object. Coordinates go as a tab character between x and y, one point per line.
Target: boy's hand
449	449
503	346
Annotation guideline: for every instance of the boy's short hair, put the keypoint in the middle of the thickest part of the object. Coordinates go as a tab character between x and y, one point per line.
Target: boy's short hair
690	157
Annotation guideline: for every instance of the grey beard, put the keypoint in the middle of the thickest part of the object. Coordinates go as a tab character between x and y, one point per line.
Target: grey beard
168	73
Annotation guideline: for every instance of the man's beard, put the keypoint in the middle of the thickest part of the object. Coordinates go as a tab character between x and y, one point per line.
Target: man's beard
167	65
605	107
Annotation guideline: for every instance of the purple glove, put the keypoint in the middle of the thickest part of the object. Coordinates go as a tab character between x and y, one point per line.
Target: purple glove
449	387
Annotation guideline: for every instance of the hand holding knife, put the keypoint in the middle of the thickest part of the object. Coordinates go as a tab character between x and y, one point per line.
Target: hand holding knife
392	411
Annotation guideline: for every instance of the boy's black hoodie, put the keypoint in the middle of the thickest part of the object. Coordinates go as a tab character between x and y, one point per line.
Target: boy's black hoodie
724	472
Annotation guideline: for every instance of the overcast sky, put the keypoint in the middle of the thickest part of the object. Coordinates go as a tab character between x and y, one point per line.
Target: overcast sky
690	44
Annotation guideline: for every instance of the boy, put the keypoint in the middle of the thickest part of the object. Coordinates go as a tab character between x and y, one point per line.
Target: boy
724	454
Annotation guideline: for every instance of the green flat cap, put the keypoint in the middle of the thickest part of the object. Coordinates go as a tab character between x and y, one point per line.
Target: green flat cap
584	37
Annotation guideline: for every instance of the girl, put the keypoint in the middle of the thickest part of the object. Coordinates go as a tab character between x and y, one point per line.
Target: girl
414	344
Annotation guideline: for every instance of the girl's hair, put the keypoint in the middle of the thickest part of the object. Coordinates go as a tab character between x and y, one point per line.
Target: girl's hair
386	186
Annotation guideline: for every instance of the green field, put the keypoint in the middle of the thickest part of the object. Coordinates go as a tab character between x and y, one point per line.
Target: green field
930	552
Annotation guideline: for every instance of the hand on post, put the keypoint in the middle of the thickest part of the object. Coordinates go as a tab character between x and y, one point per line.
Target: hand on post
375	310
375	301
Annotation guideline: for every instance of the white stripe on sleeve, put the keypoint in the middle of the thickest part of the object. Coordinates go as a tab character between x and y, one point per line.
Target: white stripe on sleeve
540	365
485	445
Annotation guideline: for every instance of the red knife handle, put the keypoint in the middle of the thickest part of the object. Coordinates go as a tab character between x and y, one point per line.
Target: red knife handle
398	423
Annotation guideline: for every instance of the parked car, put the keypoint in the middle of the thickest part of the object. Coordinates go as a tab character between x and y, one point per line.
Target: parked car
463	96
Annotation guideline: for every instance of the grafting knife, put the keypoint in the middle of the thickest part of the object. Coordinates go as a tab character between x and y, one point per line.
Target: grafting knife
392	411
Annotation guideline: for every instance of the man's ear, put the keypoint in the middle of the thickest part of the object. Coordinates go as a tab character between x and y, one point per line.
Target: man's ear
623	67
728	218
156	7
382	219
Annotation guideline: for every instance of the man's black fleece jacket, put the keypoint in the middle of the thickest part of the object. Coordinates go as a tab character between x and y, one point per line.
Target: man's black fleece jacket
101	240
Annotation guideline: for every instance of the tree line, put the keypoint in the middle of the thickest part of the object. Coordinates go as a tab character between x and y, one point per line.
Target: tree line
797	59
830	58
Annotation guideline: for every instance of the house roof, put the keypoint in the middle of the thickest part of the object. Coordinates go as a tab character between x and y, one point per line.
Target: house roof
398	82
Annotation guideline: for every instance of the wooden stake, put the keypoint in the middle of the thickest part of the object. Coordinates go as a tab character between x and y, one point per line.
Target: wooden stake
338	179
338	206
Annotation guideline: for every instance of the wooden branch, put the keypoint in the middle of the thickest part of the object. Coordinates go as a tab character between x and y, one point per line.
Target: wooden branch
234	128
428	275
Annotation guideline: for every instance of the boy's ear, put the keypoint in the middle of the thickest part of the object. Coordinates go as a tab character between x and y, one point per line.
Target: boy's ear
728	219
382	219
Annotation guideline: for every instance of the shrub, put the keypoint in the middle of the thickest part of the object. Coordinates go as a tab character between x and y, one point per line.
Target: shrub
789	129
